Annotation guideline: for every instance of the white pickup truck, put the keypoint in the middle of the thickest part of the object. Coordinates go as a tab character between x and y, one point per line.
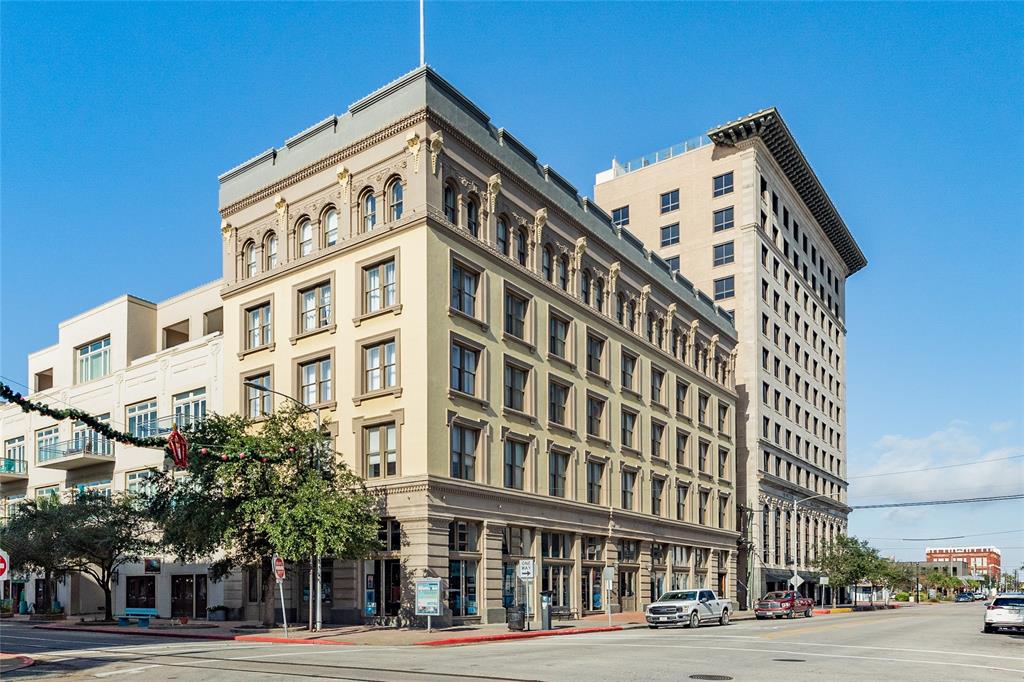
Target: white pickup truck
688	607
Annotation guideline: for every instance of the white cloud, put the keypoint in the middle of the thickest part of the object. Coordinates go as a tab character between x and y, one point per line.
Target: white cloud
1001	427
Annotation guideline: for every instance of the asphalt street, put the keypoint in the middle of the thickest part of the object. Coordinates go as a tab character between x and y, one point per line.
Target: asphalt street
925	643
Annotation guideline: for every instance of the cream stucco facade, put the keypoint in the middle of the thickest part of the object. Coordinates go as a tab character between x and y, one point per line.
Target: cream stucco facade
142	366
741	214
471	361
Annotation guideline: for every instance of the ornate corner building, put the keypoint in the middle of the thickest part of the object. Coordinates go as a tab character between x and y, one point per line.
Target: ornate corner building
740	211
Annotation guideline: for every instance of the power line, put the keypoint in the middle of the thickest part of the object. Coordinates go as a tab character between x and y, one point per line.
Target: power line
944	466
967	500
947	490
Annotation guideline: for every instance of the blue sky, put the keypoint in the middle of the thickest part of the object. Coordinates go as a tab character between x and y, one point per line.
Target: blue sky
117	119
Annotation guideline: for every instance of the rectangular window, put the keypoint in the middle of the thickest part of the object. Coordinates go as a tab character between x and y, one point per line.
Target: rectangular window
315	307
681	492
595	416
515	315
670	201
558	400
723	254
515	463
558	464
380	366
628	370
673	262
93	360
670	234
725	288
682	439
595	477
85	439
464	442
465	284
595	354
628	427
723	463
515	387
142	419
722	220
723	418
258	402
558	334
46	444
702	407
722	184
702	510
315	381
628	484
381	450
657	439
620	216
464	363
379	286
657	490
190	407
657	382
681	390
257	326
139	482
702	456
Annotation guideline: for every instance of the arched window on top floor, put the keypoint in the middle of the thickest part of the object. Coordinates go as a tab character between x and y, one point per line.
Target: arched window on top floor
650	327
270	251
620	308
631	315
521	249
449	204
659	333
330	223
675	342
546	263
368	209
396	198
473	216
563	272
585	287
305	233
249	260
599	294
501	238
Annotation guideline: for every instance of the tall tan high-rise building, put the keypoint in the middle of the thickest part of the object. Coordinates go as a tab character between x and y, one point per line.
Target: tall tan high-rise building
742	215
516	376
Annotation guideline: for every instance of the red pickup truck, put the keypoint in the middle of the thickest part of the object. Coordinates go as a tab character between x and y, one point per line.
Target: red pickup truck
783	604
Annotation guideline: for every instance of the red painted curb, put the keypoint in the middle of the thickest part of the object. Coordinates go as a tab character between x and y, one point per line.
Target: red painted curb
185	635
26	661
519	635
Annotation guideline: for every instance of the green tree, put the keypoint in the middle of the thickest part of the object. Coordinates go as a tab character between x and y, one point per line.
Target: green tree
33	537
105	532
846	561
893	576
252	490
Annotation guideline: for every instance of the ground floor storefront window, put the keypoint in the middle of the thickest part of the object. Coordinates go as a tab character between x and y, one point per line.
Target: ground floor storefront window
556	579
591	588
462	595
383	585
657	583
680	580
141	592
627	589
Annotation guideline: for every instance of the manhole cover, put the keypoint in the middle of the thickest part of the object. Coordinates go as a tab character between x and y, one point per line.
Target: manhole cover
710	677
790	660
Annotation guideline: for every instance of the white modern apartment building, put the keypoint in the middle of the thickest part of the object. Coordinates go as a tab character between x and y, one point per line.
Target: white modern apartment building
740	213
141	366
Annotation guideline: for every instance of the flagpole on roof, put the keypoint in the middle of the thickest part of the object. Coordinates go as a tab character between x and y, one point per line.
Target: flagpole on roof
422	53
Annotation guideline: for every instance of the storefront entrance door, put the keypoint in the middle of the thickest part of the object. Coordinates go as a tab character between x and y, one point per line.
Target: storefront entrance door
627	589
384	588
188	596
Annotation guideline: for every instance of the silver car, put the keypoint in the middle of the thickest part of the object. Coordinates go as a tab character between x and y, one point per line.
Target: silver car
1005	611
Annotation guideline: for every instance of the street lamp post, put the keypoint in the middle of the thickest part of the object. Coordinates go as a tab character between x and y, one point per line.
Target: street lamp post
317	583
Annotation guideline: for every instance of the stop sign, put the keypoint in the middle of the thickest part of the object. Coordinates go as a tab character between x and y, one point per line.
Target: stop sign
279	568
5	566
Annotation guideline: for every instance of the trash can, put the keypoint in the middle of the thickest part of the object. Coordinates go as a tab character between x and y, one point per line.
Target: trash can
545	609
515	616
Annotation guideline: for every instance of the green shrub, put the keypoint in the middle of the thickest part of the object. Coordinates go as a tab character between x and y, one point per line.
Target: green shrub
902	596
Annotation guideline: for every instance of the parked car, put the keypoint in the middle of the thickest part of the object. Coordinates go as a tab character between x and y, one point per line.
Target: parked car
1005	611
964	596
980	596
783	605
688	607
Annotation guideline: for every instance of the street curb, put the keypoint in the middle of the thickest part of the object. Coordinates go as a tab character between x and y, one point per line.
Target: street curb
26	661
184	635
519	635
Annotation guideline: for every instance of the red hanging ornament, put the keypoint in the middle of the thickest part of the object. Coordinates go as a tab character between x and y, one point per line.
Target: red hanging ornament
203	451
291	450
263	459
241	455
224	457
178	446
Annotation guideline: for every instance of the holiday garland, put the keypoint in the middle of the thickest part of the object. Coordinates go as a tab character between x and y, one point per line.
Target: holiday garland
102	428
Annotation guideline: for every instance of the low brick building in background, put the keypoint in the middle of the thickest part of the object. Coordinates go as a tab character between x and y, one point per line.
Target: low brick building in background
981	561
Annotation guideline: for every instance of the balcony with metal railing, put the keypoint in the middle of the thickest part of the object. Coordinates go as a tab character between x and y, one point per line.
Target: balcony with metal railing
86	449
660	155
13	470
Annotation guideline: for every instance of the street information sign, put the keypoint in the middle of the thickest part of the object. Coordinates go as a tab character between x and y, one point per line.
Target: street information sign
796	581
5	566
278	565
428	599
526	573
526	569
608	578
823	580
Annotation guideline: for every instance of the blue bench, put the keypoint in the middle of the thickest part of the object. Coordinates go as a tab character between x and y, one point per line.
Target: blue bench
140	615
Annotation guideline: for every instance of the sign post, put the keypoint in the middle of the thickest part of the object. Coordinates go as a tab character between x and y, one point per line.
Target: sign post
278	564
608	578
428	599
526	574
